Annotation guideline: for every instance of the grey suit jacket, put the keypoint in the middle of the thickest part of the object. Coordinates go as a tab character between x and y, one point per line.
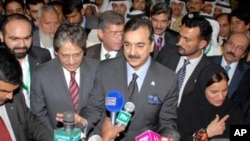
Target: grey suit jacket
169	57
50	93
35	38
159	81
95	52
26	126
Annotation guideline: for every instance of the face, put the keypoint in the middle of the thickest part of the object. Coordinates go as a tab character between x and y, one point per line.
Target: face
74	18
99	3
89	11
33	11
137	47
207	8
49	23
119	7
70	56
195	5
189	43
18	37
224	26
238	25
177	8
139	5
235	47
14	7
59	12
217	11
160	23
112	37
217	93
6	91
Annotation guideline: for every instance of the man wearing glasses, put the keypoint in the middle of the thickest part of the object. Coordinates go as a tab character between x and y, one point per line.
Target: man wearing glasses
110	31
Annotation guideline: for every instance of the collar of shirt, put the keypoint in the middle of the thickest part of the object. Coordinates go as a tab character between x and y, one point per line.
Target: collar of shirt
232	69
113	54
67	76
83	24
141	73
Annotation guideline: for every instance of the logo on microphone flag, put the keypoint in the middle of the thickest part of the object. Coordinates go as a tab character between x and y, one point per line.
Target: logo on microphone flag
148	136
123	117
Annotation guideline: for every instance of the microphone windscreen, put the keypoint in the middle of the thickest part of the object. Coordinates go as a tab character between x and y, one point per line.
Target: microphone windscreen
114	101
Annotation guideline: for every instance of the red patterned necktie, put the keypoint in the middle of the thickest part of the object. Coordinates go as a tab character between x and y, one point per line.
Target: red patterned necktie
159	43
4	133
74	90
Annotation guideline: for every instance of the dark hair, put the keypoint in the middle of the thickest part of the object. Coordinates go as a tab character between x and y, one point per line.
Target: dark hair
136	23
241	14
72	33
160	8
10	69
56	2
6	2
70	5
33	2
110	17
11	17
193	19
223	14
217	77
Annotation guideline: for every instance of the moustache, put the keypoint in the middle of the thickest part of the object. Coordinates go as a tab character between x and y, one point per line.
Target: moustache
133	57
231	53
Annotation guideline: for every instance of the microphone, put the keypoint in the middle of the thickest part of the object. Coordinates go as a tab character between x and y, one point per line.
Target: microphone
68	132
124	116
171	135
148	136
114	103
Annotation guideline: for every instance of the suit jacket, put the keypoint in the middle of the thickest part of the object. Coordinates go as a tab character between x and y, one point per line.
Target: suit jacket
169	57
171	38
36	38
159	82
95	52
26	126
237	76
50	93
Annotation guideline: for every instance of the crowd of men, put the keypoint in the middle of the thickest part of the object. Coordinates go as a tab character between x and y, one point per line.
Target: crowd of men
72	53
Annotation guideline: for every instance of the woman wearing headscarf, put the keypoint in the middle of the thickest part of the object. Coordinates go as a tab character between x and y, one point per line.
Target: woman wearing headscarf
207	112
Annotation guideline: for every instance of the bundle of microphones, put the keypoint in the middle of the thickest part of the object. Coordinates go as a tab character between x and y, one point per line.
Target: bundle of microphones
115	105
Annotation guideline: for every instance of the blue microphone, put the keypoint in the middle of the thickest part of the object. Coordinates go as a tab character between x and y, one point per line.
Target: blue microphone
114	103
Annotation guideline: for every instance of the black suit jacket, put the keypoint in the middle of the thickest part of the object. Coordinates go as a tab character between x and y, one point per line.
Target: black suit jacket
170	38
25	125
95	52
237	76
169	57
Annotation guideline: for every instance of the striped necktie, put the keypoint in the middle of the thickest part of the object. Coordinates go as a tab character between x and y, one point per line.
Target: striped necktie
74	90
181	73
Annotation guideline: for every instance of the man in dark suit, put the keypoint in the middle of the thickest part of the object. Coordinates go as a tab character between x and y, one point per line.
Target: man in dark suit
110	31
155	94
160	17
235	48
21	124
195	34
17	37
50	90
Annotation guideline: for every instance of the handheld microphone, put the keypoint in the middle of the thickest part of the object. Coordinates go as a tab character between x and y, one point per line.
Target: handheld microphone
124	116
148	136
114	103
171	135
68	132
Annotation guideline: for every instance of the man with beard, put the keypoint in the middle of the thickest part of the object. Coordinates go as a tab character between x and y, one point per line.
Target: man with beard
235	48
17	37
188	58
48	22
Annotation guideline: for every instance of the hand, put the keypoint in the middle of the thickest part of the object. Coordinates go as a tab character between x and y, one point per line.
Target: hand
78	119
217	126
110	132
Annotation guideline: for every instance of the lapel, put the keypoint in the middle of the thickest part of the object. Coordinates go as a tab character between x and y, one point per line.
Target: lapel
97	52
13	117
34	61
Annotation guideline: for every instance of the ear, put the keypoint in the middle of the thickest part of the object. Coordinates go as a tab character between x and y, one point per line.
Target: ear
100	33
1	37
152	46
38	22
203	44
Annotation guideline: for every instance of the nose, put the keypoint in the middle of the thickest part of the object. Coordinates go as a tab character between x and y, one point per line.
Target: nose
9	96
221	96
22	42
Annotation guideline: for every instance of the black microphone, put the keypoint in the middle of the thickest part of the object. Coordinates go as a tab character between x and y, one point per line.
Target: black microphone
114	103
68	132
123	117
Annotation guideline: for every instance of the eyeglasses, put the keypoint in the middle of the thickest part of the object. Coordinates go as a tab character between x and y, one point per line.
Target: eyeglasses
231	44
114	33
